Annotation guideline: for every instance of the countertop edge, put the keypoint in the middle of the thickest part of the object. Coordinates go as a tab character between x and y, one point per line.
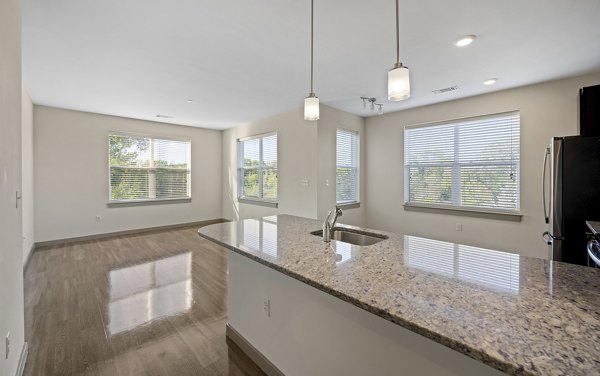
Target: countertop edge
443	340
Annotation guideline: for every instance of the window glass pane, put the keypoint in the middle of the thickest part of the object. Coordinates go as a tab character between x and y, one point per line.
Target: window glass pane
347	166
171	154
345	180
466	163
430	184
128	151
257	168
251	156
128	183
429	144
495	139
489	186
171	183
251	182
270	151
270	183
344	148
144	168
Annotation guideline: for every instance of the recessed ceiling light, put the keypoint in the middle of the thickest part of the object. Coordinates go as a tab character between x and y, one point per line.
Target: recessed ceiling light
465	41
189	101
164	116
491	81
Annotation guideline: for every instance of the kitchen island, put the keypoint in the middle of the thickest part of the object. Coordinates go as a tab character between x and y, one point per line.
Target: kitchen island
406	305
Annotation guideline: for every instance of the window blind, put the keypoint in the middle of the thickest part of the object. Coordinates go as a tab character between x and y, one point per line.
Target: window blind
347	167
257	168
469	163
146	168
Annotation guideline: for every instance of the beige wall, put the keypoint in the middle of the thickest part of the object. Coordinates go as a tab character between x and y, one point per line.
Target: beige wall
11	250
71	175
306	151
547	109
27	174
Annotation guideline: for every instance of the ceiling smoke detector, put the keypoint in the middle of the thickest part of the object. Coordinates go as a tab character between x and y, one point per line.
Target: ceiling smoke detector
445	90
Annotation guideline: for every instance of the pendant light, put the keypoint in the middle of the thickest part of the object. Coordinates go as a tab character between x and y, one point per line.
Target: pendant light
311	103
398	78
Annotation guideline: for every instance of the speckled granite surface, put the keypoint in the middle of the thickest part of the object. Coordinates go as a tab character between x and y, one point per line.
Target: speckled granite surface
521	315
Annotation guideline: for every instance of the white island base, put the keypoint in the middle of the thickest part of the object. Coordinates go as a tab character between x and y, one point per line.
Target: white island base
303	331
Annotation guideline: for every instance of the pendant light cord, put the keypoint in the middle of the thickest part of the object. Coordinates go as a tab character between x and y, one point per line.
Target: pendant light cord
312	16
397	34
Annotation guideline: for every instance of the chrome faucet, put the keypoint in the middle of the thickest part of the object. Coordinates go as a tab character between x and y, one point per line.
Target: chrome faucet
330	223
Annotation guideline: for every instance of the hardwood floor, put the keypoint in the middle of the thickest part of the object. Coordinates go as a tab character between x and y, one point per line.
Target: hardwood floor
145	304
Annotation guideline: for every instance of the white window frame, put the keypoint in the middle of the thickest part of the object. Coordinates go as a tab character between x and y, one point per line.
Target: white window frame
116	202
260	200
456	182
355	167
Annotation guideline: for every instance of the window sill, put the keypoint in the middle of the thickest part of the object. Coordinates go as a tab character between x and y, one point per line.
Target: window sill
245	200
474	212
349	205
121	203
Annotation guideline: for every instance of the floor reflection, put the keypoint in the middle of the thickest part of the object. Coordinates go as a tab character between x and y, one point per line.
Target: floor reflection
145	292
142	304
486	267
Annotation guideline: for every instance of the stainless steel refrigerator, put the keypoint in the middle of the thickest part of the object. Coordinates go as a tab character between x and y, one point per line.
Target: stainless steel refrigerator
571	190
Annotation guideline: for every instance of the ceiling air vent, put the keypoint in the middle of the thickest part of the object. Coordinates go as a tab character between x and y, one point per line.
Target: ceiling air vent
445	90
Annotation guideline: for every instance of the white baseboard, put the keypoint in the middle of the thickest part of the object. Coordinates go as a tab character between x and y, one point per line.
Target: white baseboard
22	360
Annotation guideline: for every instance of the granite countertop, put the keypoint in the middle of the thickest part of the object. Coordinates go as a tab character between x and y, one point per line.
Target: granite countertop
521	315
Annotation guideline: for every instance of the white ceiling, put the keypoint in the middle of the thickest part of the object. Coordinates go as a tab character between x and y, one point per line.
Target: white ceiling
241	60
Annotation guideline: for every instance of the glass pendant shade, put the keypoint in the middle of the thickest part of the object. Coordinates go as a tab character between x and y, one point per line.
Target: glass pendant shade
398	83
311	107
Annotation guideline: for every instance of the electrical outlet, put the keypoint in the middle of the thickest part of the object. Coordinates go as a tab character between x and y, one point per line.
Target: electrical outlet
98	218
267	307
7	343
304	182
459	227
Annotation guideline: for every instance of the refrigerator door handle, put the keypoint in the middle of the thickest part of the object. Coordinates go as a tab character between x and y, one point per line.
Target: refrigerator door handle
544	181
547	238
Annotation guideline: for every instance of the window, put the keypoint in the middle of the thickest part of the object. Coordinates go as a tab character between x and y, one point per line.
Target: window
347	170
470	164
257	168
148	169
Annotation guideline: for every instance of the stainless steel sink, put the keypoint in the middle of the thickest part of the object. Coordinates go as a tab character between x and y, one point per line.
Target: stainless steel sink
355	237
